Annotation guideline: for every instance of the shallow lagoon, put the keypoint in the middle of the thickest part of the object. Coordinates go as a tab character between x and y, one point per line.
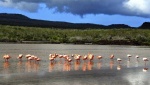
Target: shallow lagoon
99	72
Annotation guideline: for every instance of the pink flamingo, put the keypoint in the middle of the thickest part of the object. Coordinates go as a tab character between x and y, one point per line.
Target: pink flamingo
69	59
90	57
51	58
6	57
31	58
99	57
20	57
77	57
111	56
27	56
85	57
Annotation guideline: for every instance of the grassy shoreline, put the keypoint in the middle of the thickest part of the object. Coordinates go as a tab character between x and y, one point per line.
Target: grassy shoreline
20	34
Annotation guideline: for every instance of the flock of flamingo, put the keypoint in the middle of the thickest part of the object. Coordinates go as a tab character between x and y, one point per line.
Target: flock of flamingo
68	59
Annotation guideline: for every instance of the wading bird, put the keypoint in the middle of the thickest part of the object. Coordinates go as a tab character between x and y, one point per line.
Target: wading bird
137	57
119	60
6	57
99	57
145	59
20	57
129	57
112	56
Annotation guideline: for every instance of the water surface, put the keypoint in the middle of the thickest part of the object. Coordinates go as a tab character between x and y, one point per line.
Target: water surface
97	72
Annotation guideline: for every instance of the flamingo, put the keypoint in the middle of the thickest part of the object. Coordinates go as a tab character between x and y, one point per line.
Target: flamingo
137	57
27	56
145	59
85	57
111	56
69	59
90	57
51	59
38	59
99	57
119	60
77	57
129	57
20	57
31	58
6	57
60	56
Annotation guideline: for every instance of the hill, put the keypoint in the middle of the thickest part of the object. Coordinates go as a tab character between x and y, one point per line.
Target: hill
145	25
21	20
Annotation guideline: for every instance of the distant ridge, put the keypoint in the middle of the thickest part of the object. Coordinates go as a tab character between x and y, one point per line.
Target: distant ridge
21	20
145	25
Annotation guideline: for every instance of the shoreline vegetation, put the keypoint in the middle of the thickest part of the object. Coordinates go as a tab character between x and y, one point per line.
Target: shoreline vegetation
33	35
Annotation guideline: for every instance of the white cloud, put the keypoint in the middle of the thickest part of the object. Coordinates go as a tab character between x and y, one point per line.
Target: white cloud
138	6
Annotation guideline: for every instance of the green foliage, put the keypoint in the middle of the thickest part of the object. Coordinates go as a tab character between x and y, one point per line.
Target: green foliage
76	36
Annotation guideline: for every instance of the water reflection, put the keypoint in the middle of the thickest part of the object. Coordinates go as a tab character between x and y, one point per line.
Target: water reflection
19	66
66	66
51	66
118	67
145	69
99	65
76	65
6	66
111	63
128	64
84	66
31	66
137	64
90	65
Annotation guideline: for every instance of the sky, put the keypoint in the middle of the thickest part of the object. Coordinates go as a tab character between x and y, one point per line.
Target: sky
105	12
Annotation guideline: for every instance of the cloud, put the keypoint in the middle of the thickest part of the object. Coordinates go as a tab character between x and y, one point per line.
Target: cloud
31	7
82	7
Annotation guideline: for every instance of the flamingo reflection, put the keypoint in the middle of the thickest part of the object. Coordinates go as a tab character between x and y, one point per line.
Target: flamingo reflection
145	69
67	66
90	65
119	67
19	66
84	66
51	66
111	64
6	65
76	65
99	65
28	67
128	64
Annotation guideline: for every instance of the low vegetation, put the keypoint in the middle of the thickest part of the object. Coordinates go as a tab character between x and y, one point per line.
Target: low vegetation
124	36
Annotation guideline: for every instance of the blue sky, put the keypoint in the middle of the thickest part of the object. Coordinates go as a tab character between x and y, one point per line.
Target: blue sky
106	12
